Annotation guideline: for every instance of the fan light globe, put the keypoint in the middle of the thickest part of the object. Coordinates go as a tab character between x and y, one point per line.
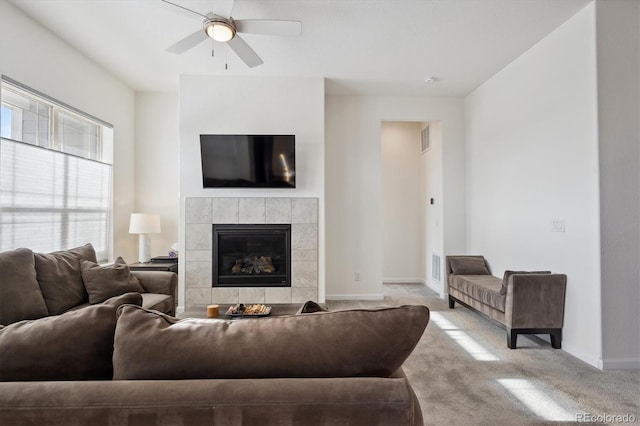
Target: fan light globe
220	31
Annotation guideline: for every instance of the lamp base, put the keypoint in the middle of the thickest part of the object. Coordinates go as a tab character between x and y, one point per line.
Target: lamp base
144	251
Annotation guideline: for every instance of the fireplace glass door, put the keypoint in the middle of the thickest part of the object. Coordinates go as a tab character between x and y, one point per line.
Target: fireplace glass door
251	255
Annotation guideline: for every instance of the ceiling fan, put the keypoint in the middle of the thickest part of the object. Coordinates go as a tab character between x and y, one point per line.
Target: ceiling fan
220	26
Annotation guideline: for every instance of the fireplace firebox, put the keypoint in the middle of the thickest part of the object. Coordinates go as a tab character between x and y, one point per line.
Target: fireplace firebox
251	256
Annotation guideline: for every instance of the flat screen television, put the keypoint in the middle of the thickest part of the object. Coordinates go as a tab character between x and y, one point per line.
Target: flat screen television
248	161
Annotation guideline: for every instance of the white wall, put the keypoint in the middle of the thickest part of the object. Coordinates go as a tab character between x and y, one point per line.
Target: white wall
157	172
618	44
403	251
251	105
532	157
354	186
39	59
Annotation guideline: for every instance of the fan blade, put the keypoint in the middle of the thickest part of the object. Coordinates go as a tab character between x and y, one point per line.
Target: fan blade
188	42
269	27
244	52
223	8
182	10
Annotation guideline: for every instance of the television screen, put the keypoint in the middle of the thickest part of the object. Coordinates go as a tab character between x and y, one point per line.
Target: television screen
248	161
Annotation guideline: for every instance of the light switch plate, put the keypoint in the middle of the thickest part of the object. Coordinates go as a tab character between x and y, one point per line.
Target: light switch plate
557	225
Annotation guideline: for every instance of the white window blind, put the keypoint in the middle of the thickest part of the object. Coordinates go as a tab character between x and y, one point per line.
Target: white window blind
55	189
52	200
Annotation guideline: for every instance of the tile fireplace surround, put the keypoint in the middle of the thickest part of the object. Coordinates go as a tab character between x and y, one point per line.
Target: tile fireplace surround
202	212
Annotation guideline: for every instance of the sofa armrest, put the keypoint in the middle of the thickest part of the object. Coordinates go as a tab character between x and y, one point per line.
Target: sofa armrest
535	300
159	282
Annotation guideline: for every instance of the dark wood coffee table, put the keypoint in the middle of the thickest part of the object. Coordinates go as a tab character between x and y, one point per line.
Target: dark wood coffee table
277	310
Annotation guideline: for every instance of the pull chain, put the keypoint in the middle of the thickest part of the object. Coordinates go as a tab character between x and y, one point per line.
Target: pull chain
226	55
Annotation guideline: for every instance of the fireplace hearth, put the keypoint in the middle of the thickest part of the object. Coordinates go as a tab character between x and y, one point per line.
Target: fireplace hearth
251	255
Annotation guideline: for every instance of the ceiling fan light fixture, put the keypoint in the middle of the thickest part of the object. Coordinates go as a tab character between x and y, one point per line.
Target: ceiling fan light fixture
219	30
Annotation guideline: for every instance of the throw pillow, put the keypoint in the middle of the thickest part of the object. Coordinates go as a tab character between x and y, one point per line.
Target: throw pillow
310	307
60	279
507	274
20	295
77	345
362	342
468	265
103	282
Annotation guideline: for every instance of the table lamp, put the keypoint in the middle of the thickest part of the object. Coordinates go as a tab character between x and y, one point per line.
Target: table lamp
144	224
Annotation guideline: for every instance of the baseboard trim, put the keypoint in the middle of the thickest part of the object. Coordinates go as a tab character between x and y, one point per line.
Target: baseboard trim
354	297
594	362
402	281
603	364
619	364
438	288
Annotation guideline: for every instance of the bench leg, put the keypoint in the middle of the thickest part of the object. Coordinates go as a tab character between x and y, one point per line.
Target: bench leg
554	333
452	302
556	338
512	338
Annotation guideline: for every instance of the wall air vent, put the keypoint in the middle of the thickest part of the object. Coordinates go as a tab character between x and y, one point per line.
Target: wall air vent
425	142
436	271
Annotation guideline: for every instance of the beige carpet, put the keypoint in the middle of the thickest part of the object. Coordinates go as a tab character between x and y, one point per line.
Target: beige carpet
464	374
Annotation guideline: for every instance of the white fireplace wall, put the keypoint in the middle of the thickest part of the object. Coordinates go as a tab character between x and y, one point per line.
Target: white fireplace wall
253	105
200	215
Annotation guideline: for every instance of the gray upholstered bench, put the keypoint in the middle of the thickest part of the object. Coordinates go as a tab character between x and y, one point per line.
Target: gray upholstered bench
523	302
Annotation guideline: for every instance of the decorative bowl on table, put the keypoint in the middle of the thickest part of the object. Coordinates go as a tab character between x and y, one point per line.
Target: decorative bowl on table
241	310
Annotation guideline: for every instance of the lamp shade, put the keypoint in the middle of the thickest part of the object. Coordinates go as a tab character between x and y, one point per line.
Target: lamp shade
144	223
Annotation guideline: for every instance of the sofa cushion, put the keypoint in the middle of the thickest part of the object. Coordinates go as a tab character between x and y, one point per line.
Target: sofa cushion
132	298
468	265
20	295
60	277
76	345
157	302
483	288
103	282
507	274
151	345
124	299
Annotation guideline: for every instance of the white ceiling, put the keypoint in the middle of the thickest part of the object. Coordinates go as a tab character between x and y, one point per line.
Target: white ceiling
361	46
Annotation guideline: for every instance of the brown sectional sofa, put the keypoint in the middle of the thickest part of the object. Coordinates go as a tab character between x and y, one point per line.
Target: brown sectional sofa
523	302
117	363
36	285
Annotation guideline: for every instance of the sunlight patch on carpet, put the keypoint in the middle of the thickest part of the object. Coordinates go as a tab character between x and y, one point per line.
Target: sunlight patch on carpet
466	342
536	400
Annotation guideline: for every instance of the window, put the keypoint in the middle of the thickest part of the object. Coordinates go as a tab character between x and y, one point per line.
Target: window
55	174
24	118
